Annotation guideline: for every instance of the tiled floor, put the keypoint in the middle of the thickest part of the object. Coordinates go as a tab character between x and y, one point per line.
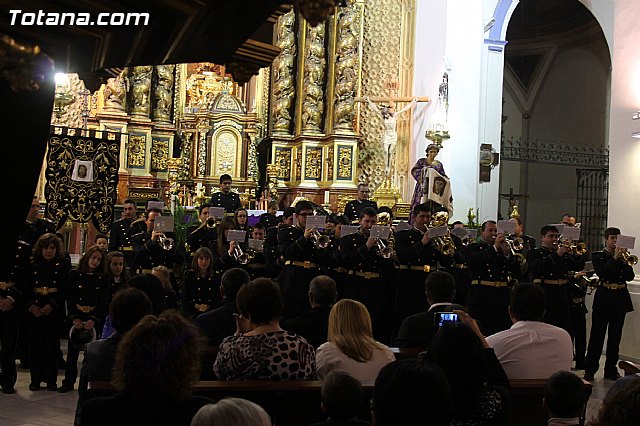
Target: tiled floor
44	408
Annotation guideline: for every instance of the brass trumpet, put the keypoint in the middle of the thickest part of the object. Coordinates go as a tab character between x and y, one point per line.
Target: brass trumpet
240	256
443	244
628	258
578	248
516	244
166	242
384	250
319	241
211	222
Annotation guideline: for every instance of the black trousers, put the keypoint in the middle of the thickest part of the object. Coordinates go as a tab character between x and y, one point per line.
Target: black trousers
600	322
578	332
9	332
44	347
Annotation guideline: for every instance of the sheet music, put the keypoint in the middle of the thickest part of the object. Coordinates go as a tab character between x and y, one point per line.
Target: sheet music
236	235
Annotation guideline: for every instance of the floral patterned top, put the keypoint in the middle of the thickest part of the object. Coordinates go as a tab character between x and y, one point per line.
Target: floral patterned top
277	355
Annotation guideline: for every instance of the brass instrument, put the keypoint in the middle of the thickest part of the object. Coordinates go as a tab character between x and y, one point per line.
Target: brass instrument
210	223
383	218
443	244
166	242
578	248
384	250
516	244
319	241
465	241
628	258
138	221
241	256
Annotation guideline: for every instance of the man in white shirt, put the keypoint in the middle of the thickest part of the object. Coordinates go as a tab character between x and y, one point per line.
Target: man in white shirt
531	349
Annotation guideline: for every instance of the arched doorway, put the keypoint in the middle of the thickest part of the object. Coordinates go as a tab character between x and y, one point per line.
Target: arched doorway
555	116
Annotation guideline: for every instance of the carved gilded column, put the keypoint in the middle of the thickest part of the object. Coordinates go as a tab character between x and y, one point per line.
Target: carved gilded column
314	67
140	82
283	78
347	67
163	93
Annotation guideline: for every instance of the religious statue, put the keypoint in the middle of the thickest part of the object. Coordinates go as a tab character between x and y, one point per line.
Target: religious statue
346	69
141	86
163	92
283	89
420	173
114	93
390	135
312	106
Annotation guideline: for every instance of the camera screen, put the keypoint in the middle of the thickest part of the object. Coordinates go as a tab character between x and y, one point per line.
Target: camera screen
442	318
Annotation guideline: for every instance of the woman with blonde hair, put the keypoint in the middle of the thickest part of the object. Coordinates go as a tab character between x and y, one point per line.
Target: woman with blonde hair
231	412
350	346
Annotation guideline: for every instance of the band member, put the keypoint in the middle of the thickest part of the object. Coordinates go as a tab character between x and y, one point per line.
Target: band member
47	281
119	237
225	197
610	305
201	235
241	221
330	258
549	266
354	207
492	267
269	218
116	272
417	258
274	261
256	266
361	254
88	296
224	251
35	227
577	288
568	220
151	248
300	262
460	269
200	288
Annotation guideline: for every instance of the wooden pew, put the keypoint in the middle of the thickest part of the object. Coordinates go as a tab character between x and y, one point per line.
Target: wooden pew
629	367
289	403
526	404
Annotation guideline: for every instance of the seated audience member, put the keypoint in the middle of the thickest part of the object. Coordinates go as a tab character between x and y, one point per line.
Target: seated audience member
157	363
219	323
531	349
314	325
411	392
350	345
260	349
232	412
341	398
126	310
564	399
620	409
152	287
417	330
621	383
169	296
477	380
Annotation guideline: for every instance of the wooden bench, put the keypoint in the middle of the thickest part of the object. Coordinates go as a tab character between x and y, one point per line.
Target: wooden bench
629	367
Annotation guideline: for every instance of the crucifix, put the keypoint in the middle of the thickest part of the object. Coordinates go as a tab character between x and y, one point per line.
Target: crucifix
513	207
388	114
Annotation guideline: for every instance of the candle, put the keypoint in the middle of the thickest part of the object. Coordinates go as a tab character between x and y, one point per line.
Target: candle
326	197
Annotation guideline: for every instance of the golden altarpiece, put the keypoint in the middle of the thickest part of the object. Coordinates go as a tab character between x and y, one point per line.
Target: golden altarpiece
186	124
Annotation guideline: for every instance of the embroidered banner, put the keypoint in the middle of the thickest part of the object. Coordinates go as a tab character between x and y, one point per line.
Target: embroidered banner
82	176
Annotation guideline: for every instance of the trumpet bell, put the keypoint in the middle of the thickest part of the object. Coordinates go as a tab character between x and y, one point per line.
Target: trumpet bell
384	250
166	243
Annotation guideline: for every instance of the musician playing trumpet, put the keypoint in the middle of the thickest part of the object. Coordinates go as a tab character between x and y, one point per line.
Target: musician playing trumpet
550	266
202	234
610	305
360	253
150	248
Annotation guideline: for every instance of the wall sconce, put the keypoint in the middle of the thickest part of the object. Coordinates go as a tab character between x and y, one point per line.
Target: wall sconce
635	115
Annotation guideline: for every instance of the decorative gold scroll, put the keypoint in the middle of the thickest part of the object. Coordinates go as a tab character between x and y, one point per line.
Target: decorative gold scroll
163	93
283	79
314	64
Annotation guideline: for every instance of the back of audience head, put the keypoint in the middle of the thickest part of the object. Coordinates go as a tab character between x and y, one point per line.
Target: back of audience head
411	392
322	291
341	395
152	287
459	352
128	307
527	303
231	412
440	287
622	408
232	280
159	358
260	301
564	395
350	330
163	274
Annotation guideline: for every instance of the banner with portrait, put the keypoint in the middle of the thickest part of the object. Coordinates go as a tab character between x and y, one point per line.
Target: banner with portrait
437	188
82	176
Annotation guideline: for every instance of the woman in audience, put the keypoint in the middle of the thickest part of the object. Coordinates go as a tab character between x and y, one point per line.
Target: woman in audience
350	346
622	408
157	363
477	380
232	412
47	282
260	349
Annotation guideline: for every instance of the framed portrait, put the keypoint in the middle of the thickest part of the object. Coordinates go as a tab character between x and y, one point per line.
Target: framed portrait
82	171
439	188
